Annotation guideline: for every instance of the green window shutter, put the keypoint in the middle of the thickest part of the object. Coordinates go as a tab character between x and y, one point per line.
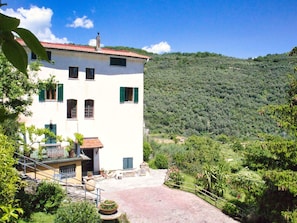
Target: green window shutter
122	94
135	95
128	163
60	92
41	95
53	129
125	163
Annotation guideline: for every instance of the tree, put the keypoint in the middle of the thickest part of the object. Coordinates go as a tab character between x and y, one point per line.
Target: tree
147	151
14	51
276	159
16	91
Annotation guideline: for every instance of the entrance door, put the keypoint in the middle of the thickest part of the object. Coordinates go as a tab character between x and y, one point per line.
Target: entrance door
88	165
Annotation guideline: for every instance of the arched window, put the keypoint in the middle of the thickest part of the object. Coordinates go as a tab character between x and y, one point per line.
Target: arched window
71	108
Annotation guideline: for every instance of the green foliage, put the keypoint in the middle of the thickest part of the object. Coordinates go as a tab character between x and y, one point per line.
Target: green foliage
285	180
175	177
199	151
290	216
147	151
190	94
108	205
16	90
9	178
26	202
231	210
130	49
42	217
13	50
161	161
212	179
8	213
39	217
79	138
222	138
33	133
48	197
275	157
77	212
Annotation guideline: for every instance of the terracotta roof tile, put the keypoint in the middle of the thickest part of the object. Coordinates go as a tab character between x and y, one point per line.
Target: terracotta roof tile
90	143
88	49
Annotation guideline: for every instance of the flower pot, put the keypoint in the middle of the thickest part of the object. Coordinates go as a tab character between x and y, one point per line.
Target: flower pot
90	185
108	207
108	212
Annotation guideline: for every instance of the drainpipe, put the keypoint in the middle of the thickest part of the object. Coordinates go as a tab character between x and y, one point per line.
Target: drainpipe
77	149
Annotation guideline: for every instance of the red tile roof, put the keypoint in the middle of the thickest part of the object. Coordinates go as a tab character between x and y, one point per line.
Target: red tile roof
88	49
90	143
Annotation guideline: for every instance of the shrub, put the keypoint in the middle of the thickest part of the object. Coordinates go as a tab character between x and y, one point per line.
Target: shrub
26	202
108	205
161	161
147	151
231	210
175	177
48	197
77	212
9	178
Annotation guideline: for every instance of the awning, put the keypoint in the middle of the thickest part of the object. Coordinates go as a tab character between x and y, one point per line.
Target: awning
91	143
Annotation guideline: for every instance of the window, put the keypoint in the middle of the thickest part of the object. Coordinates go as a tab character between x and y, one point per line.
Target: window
51	94
34	56
128	94
128	163
117	61
90	73
53	129
73	72
71	108
89	108
67	171
49	55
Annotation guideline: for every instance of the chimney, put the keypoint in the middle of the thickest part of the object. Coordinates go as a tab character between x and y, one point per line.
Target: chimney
98	42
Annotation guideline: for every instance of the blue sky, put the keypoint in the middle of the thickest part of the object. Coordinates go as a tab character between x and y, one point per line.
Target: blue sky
237	28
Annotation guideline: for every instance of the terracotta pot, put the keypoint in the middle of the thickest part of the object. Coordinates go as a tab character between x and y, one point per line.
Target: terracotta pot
90	185
108	209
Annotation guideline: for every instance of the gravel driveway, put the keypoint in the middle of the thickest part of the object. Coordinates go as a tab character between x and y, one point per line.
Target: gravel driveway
146	200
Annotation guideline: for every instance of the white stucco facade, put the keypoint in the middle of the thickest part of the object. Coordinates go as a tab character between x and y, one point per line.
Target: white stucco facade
118	124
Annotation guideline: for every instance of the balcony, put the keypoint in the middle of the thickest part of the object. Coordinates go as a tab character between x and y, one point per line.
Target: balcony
50	152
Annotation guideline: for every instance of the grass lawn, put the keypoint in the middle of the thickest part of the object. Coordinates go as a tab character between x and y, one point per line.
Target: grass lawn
39	217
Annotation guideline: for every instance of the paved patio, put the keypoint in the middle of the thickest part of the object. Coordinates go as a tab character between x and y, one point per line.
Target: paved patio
146	200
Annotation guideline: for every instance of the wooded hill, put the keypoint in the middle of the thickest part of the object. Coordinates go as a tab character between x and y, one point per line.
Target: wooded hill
198	93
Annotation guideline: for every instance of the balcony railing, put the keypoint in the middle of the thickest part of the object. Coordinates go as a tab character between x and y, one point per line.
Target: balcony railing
55	151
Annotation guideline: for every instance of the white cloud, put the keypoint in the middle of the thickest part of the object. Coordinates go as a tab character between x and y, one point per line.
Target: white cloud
38	21
82	22
92	42
159	48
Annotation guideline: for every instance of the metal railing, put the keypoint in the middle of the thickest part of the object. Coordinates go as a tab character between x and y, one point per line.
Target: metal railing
27	164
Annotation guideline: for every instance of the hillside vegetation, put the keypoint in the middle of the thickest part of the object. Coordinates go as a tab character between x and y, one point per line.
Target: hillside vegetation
198	93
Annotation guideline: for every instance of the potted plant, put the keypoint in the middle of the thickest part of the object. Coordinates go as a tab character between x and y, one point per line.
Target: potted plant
108	207
79	138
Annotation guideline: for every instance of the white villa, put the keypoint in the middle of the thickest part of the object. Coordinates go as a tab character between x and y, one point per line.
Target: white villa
99	94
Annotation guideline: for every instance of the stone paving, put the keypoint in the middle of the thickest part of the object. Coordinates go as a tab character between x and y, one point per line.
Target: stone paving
146	200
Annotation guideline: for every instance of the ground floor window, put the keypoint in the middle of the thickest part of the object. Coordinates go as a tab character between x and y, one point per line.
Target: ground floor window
128	163
67	171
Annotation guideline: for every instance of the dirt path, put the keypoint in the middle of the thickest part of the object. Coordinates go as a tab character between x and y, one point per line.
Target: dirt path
147	200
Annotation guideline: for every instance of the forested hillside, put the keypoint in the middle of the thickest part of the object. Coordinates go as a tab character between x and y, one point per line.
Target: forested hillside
196	93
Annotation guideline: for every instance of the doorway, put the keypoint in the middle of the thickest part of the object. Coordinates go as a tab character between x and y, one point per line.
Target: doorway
88	165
